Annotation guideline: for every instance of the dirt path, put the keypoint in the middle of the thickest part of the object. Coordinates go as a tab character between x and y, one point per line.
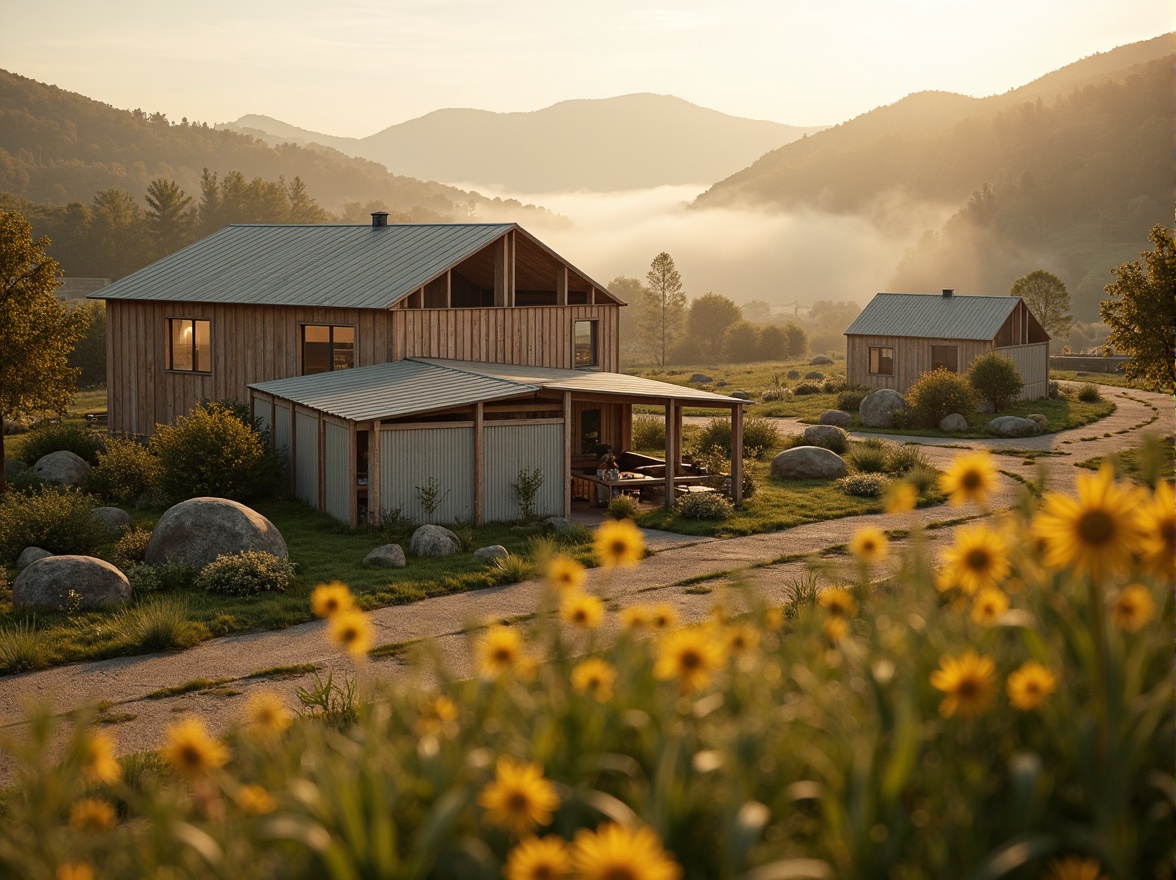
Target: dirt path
245	663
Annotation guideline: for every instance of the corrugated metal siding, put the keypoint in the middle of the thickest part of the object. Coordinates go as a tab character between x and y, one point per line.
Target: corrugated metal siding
306	458
337	471
507	449
409	458
261	414
342	266
926	315
282	429
1033	364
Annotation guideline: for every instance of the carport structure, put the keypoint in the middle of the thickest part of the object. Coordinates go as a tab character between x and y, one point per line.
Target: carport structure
445	440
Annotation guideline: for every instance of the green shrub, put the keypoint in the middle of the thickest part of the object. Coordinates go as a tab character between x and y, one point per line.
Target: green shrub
870	458
704	505
57	520
50	437
28	481
1089	393
923	477
850	400
773	394
126	470
512	569
759	436
130	548
995	379
938	394
833	386
211	452
901	459
144	578
161	623
871	485
649	432
246	574
901	419
807	388
21	647
622	507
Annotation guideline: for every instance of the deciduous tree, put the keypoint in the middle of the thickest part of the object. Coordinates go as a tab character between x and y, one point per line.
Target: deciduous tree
1140	309
1049	301
37	330
664	313
710	316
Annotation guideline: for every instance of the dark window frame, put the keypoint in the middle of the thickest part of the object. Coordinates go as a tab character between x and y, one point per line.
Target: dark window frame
195	360
330	346
936	364
880	360
594	344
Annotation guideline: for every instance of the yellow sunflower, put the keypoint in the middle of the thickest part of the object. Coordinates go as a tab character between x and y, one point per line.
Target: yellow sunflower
538	859
988	606
329	599
582	610
98	761
1133	608
267	715
190	751
1095	533
594	676
1157	523
519	798
1075	868
499	651
690	656
1030	686
75	871
741	638
835	628
437	716
613	852
838	601
978	560
564	573
619	542
969	478
969	683
254	800
635	617
663	616
351	630
92	814
869	545
901	497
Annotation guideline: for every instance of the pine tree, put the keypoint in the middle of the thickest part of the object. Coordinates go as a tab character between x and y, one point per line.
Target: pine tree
663	308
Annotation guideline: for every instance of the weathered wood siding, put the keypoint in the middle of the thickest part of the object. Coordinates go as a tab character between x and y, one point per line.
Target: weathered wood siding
1033	364
912	357
259	343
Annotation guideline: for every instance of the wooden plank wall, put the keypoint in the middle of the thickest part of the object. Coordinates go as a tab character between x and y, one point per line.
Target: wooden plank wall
912	357
260	343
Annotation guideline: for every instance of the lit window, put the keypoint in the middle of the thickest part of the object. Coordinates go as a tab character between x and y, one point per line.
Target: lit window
584	345
945	357
326	347
189	345
882	361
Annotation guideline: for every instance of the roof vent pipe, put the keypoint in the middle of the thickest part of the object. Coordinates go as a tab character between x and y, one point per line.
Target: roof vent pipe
947	291
379	218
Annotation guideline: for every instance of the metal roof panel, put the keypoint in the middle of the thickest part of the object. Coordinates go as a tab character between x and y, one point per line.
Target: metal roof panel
933	316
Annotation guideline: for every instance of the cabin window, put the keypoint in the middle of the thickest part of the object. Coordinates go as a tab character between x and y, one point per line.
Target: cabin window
589	431
946	357
584	345
189	345
327	347
882	361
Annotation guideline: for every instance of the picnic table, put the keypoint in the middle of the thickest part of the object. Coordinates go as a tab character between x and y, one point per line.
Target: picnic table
628	481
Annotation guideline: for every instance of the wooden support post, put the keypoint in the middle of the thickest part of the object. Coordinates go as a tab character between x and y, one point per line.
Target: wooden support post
479	446
626	426
322	460
374	474
671	423
677	435
567	456
561	285
737	454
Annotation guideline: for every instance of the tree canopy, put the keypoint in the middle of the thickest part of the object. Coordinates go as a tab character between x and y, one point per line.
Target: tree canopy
710	316
1049	301
37	330
1140	309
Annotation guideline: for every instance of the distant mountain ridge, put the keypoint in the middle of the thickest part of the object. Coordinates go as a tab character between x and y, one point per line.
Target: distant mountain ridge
628	142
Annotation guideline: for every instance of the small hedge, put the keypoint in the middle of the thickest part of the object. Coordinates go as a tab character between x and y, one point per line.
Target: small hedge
126	470
774	394
130	548
807	388
57	520
759	436
649	432
995	379
245	574
864	485
937	394
1089	393
50	437
704	505
850	400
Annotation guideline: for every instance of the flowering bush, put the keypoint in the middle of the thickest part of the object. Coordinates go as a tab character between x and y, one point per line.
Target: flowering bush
1001	710
245	573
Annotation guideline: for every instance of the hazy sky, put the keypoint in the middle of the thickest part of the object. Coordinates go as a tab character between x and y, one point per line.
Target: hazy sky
353	67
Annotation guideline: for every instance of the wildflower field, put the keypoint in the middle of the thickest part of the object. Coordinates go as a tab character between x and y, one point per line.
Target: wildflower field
1001	708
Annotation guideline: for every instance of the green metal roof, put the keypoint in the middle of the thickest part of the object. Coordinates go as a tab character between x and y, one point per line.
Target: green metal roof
933	316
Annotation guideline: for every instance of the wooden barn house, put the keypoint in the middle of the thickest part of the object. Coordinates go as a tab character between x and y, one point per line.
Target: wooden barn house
387	358
899	336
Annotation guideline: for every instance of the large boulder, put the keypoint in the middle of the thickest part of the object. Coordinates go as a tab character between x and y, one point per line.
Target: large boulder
879	406
742	395
49	582
431	540
114	519
820	361
12	467
814	374
197	531
1013	426
700	379
387	556
63	467
836	417
494	551
953	423
559	524
808	463
829	436
29	555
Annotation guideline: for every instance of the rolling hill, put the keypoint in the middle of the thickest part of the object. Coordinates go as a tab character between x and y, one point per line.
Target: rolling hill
628	142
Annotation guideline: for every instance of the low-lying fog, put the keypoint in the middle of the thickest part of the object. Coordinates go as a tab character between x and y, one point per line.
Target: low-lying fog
744	254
